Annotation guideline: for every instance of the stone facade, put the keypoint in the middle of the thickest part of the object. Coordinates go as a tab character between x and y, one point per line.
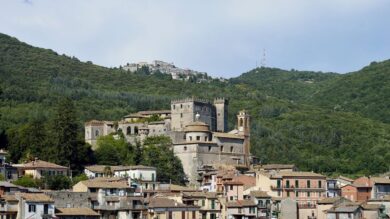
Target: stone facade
197	128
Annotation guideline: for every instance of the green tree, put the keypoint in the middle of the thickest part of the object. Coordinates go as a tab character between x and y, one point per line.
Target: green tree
112	151
27	181
57	182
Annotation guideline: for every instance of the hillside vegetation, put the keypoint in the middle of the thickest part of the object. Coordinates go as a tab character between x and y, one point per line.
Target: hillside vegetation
294	118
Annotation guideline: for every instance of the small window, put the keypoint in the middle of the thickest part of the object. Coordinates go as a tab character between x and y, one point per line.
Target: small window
190	138
97	133
221	148
231	149
185	148
198	138
181	115
308	183
319	184
209	148
231	198
308	194
174	106
231	187
31	208
205	138
181	106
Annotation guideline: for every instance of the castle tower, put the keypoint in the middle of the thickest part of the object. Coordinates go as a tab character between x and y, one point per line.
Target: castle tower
243	124
221	107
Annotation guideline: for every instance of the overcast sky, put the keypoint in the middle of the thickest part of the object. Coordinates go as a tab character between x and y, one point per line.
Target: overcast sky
221	37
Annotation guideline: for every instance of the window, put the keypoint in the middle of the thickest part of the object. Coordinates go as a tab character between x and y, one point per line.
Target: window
181	106
279	184
152	176
185	148
128	131
231	187
260	203
231	149
203	202
296	184
205	138
97	133
231	198
31	208
140	175
198	138
209	148
174	106
212	204
136	130
319	184
308	183
308	194
296	194
190	138
288	193
221	148
288	184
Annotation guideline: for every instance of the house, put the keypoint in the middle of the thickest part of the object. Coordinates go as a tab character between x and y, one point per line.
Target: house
234	190
70	199
6	170
342	181
332	188
241	209
39	168
345	210
35	205
380	187
164	208
263	201
327	203
359	190
8	206
306	188
372	210
383	201
9	188
289	209
76	213
112	197
143	176
210	207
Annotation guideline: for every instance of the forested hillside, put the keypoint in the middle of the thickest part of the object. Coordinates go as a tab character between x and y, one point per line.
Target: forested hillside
293	119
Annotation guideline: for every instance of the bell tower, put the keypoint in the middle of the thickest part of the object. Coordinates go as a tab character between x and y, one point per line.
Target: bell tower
243	124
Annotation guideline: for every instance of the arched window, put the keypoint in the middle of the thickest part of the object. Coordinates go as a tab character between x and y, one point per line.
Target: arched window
128	131
97	133
136	130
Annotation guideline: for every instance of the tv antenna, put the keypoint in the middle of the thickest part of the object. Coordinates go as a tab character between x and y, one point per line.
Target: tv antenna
263	59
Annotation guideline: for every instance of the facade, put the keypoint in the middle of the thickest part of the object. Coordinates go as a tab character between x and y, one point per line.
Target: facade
208	203
94	129
332	188
34	205
380	187
263	201
6	170
39	168
164	208
306	188
241	209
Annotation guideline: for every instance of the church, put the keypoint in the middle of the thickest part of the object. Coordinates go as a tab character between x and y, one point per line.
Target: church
197	127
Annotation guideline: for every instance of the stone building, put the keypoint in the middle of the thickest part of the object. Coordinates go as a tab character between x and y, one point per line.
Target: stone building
197	128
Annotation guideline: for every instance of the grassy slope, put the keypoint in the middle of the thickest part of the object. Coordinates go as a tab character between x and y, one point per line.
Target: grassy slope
284	129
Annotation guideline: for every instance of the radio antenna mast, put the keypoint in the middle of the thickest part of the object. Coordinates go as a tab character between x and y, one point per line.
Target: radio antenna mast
263	60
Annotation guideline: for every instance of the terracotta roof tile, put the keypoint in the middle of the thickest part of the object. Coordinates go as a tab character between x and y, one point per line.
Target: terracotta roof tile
34	197
40	164
76	212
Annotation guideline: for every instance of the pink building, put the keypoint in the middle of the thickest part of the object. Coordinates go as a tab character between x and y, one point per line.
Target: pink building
234	190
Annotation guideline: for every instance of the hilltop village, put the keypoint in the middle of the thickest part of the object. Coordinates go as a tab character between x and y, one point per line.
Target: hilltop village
223	179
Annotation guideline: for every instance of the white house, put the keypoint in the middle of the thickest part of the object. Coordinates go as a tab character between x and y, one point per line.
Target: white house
35	205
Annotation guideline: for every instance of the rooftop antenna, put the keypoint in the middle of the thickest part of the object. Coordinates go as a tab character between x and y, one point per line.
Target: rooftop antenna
263	59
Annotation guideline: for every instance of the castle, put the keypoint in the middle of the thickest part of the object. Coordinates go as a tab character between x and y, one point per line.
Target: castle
198	129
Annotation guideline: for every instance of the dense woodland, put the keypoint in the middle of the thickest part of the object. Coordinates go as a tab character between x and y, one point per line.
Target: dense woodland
325	122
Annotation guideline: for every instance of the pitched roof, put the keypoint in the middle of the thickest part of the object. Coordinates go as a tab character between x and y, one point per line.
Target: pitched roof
259	194
34	197
200	194
300	174
277	166
227	135
101	168
164	203
240	203
246	180
40	164
345	178
234	182
7	184
76	212
331	200
371	206
100	183
9	198
380	180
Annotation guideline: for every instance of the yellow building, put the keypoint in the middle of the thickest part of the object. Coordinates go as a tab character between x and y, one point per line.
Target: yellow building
40	168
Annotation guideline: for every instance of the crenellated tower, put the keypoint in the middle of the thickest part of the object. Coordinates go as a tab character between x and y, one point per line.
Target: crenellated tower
221	108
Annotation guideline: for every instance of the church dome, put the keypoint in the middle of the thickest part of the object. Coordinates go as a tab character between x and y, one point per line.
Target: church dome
197	127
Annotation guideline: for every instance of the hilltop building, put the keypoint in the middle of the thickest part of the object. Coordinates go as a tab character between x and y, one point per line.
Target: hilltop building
198	129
